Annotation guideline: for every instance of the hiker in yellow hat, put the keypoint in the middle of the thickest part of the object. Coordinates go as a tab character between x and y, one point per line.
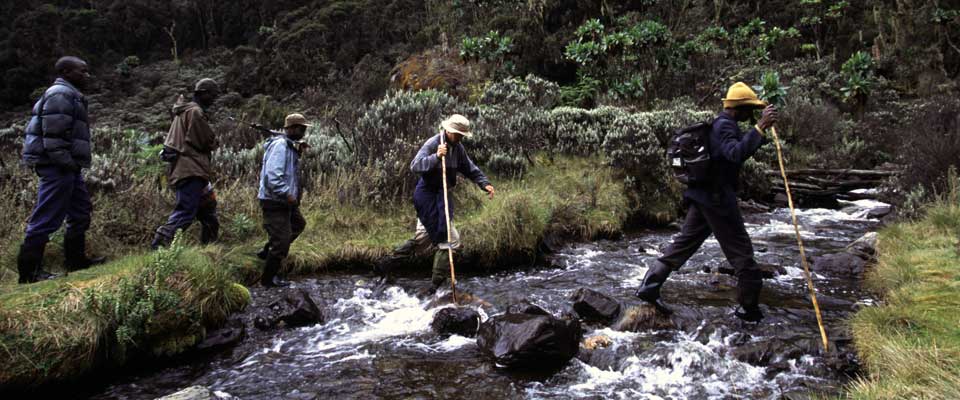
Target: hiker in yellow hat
712	205
428	198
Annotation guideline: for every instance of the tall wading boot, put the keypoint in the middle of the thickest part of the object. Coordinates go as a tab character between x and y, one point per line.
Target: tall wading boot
30	264
438	273
160	240
653	280
75	256
749	285
270	270
264	252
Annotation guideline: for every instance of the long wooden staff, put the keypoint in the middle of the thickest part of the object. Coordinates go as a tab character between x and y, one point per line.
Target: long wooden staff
446	213
796	227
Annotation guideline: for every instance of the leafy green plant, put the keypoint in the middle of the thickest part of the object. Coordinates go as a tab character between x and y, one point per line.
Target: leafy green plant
241	225
858	74
492	47
771	90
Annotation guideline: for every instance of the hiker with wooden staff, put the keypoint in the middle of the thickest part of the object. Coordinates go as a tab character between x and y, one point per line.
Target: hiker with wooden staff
712	206
438	162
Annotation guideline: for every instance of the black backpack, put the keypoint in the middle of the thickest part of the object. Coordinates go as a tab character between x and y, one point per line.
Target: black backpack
689	154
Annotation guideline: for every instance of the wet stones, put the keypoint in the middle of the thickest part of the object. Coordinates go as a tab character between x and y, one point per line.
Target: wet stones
529	340
593	306
296	308
843	265
456	321
526	307
596	342
643	318
228	336
865	247
191	393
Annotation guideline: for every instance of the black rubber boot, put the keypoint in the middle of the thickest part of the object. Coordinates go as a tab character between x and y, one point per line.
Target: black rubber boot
749	285
160	240
270	270
264	252
28	262
209	233
75	256
653	280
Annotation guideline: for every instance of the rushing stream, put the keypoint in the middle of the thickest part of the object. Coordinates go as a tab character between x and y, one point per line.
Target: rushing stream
382	346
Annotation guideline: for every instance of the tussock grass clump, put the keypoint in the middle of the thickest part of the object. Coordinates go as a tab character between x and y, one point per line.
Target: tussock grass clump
911	343
152	304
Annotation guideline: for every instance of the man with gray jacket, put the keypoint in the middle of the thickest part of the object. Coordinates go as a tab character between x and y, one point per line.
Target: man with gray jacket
280	196
57	147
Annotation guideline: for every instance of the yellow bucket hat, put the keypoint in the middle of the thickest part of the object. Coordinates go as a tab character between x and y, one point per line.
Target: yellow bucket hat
740	95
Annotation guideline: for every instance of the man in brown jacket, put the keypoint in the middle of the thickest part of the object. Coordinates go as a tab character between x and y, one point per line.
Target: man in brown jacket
188	147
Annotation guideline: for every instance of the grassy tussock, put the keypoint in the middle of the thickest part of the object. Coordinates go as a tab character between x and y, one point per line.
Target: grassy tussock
911	343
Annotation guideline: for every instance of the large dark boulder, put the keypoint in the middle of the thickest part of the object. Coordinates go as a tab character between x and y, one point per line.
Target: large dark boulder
593	306
228	336
457	321
294	309
528	340
843	265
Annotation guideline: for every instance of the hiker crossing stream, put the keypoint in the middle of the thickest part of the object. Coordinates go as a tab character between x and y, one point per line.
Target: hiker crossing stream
380	345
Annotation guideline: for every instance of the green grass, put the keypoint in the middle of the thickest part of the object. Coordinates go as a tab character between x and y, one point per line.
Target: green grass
160	304
910	344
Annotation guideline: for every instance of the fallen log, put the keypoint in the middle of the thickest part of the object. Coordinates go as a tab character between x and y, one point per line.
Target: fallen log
841	172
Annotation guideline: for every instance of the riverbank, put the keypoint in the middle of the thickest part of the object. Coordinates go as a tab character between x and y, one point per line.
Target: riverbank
161	304
910	344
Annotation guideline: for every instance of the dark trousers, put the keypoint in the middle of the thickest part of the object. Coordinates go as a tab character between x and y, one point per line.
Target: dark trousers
726	224
61	195
283	223
430	211
192	204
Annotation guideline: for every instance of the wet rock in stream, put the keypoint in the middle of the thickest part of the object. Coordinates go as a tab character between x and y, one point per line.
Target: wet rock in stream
296	308
844	265
525	307
456	320
228	336
530	340
593	306
643	318
191	393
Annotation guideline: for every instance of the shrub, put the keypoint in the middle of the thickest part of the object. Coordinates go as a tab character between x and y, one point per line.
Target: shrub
391	131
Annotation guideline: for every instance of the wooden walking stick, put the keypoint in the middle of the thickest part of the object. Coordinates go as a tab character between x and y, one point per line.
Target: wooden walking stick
446	213
796	227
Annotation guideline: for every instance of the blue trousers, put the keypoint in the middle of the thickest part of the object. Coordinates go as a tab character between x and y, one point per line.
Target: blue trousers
193	202
429	205
60	195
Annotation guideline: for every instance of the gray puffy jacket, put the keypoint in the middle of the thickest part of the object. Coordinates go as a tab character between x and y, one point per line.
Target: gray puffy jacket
59	132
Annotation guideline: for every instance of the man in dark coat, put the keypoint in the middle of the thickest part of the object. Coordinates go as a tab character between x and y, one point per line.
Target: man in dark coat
428	198
712	207
189	145
57	147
